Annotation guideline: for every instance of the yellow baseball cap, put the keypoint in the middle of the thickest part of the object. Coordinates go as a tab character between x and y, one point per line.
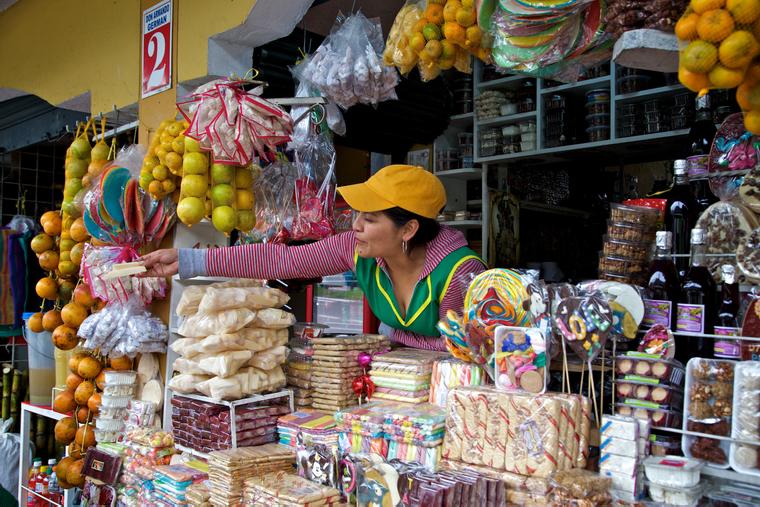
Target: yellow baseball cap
404	186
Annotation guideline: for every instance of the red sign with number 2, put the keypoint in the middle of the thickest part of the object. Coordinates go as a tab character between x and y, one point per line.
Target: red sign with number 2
157	48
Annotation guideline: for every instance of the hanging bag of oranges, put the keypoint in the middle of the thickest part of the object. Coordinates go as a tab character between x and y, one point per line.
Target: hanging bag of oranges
720	43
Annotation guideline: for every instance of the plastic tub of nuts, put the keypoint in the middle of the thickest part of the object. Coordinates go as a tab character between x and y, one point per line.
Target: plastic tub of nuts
622	265
630	232
634	214
633	250
120	377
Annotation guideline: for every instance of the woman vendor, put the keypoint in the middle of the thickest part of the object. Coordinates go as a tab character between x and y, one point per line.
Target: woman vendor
410	268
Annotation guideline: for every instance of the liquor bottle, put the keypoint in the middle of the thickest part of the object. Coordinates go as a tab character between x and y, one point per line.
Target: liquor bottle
31	500
663	286
696	309
727	321
680	213
701	137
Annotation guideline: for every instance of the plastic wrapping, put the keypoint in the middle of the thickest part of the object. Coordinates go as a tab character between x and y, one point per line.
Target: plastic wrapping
579	484
273	318
748	256
727	225
348	67
275	209
315	188
225	321
225	364
624	15
709	401
749	191
253	298
733	153
235	124
537	429
269	358
253	339
98	261
520	359
124	330
746	401
450	373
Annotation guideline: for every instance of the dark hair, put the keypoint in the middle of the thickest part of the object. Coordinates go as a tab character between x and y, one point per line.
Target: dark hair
428	230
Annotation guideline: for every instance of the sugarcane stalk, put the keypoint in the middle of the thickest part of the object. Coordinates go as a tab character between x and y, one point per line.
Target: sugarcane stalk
15	398
5	412
25	386
40	440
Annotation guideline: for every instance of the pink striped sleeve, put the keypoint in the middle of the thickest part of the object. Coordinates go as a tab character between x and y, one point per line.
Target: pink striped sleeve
452	300
330	256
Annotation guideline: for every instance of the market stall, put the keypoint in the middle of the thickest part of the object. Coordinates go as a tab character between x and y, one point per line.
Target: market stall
605	354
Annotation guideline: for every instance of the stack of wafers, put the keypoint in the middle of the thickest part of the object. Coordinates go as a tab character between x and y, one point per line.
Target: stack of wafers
283	489
404	375
227	470
198	495
298	375
315	427
335	366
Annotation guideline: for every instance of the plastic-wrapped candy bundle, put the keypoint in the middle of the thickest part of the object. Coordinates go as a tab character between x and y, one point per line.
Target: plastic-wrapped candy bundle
314	197
98	261
234	123
124	330
348	67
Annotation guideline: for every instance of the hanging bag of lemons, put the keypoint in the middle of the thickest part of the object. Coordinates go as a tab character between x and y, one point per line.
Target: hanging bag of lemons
719	44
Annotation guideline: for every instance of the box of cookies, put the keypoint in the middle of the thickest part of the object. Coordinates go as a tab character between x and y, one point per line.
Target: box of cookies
639	366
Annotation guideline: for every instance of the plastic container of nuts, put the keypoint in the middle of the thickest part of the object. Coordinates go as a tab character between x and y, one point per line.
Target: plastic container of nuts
633	250
634	214
630	232
622	266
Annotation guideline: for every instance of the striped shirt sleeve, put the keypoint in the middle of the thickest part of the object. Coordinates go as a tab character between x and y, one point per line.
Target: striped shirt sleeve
452	300
330	256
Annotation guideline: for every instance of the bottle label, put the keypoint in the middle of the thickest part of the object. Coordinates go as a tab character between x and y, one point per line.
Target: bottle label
697	166
690	318
657	312
727	331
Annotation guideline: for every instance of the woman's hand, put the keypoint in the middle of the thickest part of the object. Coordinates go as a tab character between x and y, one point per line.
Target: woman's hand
161	263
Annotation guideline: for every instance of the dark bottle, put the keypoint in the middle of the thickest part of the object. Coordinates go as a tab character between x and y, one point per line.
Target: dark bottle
701	137
680	213
727	321
663	286
696	308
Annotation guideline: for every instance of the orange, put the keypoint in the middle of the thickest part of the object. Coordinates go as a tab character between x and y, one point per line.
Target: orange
756	29
715	25
748	95
454	32
686	27
51	320
699	56
450	10
73	314
753	73
694	81
752	121
701	6
722	77
35	323
744	12
434	13
738	49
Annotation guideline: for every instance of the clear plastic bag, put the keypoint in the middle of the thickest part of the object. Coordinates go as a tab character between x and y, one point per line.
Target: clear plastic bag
314	189
188	366
253	298
748	257
187	383
348	67
225	364
275	208
273	318
734	152
270	358
99	261
227	321
727	225
124	330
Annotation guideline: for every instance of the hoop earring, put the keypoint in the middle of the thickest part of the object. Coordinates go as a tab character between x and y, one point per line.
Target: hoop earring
405	247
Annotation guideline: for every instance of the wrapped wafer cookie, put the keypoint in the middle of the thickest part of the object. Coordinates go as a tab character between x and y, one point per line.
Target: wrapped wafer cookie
585	431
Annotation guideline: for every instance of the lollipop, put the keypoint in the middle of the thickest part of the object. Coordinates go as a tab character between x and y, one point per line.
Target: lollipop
585	324
495	297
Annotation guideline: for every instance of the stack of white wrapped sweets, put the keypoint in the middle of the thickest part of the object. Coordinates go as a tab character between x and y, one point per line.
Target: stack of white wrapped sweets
234	340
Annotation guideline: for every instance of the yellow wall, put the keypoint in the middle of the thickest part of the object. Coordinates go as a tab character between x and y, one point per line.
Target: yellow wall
59	49
198	20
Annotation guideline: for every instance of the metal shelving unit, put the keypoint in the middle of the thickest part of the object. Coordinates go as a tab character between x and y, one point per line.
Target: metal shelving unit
24	463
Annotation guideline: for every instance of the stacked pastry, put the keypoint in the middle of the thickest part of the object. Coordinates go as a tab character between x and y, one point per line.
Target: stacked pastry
503	430
314	426
283	489
404	375
227	470
234	340
335	366
298	371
